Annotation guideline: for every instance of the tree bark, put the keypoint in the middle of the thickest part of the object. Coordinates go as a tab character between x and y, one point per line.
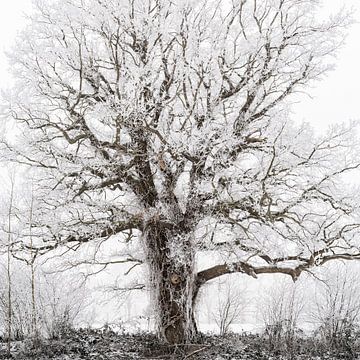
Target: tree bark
171	262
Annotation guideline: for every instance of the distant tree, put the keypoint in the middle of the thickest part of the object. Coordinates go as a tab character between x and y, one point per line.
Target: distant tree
230	307
336	311
32	252
62	302
8	231
7	238
281	309
165	123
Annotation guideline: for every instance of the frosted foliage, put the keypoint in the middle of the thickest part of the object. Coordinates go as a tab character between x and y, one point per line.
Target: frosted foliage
171	119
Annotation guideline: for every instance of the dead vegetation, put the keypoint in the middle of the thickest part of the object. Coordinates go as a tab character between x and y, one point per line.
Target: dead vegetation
91	344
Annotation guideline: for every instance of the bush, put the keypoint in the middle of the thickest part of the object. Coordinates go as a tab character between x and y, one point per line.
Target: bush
281	310
337	313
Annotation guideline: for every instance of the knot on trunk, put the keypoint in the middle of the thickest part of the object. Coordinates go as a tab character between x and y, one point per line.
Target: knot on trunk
175	279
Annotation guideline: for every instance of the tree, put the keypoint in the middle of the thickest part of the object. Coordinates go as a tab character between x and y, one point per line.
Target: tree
8	268
231	306
281	309
165	123
336	311
60	303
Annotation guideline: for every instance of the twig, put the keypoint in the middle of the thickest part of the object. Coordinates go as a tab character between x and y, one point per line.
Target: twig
196	351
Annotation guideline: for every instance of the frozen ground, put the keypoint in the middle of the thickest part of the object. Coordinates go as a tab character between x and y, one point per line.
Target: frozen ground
92	344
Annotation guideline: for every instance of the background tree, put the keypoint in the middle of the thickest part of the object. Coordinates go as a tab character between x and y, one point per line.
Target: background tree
231	306
336	310
165	124
61	304
10	215
31	255
281	309
8	230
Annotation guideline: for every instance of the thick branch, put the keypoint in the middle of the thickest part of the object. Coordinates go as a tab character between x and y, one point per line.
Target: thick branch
106	232
242	267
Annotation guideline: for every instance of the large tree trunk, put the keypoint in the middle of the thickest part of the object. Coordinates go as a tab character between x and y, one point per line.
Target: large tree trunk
171	259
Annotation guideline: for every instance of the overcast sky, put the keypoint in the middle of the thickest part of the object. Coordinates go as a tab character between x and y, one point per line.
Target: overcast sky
334	99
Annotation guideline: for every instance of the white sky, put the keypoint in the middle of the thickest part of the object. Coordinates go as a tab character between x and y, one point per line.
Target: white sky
335	99
11	19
